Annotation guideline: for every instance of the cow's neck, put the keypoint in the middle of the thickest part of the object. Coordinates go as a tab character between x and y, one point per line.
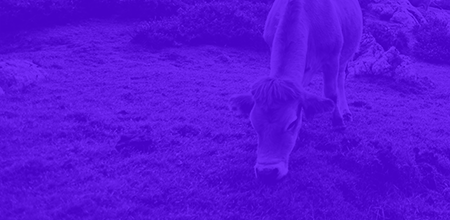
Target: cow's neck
289	48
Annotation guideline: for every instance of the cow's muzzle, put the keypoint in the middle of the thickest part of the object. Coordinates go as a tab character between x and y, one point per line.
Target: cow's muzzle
270	173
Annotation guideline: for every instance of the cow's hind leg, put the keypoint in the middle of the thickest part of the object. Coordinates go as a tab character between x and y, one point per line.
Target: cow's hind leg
330	73
342	98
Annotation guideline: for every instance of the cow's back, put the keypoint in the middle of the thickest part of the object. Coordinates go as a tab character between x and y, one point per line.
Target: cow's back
319	30
273	20
334	26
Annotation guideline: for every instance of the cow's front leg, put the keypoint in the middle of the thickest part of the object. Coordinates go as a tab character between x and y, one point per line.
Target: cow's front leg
331	71
342	98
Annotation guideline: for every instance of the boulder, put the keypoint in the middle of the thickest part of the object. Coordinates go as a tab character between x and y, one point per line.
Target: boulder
369	52
398	11
394	65
442	4
424	4
18	74
435	13
373	60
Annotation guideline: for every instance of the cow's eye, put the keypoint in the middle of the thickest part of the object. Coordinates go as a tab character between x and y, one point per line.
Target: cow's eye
292	125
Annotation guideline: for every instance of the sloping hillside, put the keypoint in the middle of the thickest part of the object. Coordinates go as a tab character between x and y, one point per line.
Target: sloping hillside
58	138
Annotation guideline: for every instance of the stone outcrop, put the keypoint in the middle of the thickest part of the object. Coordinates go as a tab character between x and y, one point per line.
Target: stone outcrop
372	60
442	15
424	4
442	4
398	11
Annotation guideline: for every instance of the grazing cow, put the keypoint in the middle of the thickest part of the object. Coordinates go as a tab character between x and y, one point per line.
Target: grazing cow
304	36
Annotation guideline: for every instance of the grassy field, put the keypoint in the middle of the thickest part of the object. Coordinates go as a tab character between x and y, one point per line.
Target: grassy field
58	139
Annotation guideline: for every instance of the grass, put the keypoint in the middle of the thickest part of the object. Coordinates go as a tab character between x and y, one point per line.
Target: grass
58	139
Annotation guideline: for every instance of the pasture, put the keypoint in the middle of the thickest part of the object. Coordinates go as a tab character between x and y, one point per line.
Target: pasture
58	156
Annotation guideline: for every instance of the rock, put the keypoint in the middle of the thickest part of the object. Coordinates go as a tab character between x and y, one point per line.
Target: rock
392	64
389	34
369	47
442	4
405	17
18	74
424	4
435	13
369	52
384	11
373	60
398	11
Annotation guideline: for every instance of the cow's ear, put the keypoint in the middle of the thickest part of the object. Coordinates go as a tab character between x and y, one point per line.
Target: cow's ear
242	104
313	104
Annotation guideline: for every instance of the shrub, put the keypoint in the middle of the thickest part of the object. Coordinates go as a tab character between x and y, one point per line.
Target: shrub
17	14
129	8
433	41
220	23
158	34
25	13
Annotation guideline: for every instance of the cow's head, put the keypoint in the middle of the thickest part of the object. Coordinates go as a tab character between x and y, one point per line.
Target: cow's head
275	107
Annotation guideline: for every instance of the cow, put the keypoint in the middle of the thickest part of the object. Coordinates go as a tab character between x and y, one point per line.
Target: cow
304	37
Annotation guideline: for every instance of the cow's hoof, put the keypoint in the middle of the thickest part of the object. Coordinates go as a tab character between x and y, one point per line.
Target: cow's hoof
348	117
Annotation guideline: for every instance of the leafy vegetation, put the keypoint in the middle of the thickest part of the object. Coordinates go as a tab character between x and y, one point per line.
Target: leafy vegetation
147	9
219	23
16	14
158	34
234	23
433	41
26	13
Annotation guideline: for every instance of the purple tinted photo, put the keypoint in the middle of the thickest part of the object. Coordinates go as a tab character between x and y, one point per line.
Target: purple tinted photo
225	109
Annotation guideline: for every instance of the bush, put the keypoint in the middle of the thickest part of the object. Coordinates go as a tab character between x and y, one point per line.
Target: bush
17	14
433	41
223	23
129	8
158	34
389	36
236	24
